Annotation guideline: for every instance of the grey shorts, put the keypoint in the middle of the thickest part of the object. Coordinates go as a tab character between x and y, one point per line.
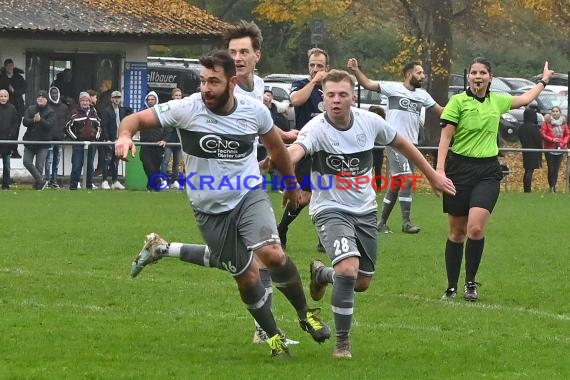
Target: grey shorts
398	163
345	235
233	237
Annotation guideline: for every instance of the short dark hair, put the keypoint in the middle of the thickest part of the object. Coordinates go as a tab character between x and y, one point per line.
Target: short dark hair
244	29
410	66
92	92
219	58
268	90
8	60
378	110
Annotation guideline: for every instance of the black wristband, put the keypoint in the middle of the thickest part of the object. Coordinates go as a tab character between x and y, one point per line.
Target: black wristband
543	82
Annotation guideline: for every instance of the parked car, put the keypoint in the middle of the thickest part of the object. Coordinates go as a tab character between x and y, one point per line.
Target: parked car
281	92
549	98
557	79
511	122
515	83
166	73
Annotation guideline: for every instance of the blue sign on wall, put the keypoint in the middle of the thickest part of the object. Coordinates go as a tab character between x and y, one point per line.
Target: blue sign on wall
135	84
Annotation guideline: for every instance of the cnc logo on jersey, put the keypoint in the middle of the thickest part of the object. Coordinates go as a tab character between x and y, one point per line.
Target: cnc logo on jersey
409	105
404	104
343	164
164	107
216	146
361	139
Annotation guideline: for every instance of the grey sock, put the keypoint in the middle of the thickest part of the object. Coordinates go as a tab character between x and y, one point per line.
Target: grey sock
255	299
343	304
405	199
198	254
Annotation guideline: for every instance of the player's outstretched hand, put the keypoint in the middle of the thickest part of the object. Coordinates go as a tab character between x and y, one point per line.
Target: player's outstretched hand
123	146
290	136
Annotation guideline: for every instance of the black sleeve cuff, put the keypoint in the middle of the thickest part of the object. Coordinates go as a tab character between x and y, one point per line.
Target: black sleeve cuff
444	122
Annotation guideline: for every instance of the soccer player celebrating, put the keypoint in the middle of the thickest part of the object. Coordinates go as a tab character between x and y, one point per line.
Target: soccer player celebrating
217	130
340	142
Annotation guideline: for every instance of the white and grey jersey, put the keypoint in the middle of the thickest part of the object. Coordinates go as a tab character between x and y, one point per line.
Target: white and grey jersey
344	153
404	108
219	150
256	93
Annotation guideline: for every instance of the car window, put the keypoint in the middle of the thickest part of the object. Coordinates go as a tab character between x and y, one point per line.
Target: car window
456	80
279	94
498	85
550	100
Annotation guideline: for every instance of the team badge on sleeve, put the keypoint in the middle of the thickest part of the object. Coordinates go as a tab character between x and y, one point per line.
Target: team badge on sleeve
164	107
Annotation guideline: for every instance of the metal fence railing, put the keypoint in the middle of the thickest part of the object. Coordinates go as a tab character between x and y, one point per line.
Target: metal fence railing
430	149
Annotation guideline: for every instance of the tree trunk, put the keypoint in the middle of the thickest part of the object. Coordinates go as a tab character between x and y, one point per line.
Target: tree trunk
440	63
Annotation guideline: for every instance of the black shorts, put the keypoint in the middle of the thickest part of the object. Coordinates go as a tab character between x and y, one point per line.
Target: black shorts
303	173
476	180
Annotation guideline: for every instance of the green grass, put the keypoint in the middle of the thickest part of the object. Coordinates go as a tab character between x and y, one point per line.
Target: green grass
69	309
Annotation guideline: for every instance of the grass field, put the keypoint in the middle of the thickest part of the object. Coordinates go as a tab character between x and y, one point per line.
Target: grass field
69	309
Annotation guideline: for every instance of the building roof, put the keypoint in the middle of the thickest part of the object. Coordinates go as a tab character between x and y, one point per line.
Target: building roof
141	18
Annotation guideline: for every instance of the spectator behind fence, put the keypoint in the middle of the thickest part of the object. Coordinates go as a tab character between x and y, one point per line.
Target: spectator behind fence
11	80
84	125
278	118
171	137
64	82
40	120
529	135
151	155
58	134
9	128
556	135
110	120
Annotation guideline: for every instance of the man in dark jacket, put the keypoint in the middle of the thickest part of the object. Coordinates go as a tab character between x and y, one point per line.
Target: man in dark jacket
11	80
84	125
40	120
110	120
9	128
529	135
54	153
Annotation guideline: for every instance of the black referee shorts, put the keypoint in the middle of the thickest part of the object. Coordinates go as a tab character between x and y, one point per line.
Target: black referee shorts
476	180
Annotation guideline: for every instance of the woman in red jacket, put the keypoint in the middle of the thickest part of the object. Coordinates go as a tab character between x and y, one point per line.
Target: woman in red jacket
556	135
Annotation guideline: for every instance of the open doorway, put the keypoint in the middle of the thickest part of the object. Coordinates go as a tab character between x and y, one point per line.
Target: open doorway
73	73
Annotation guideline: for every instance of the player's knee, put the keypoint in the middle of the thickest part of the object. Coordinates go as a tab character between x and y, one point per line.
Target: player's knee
347	267
272	255
476	232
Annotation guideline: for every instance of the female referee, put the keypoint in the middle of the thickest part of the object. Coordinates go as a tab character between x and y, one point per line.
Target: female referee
471	120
